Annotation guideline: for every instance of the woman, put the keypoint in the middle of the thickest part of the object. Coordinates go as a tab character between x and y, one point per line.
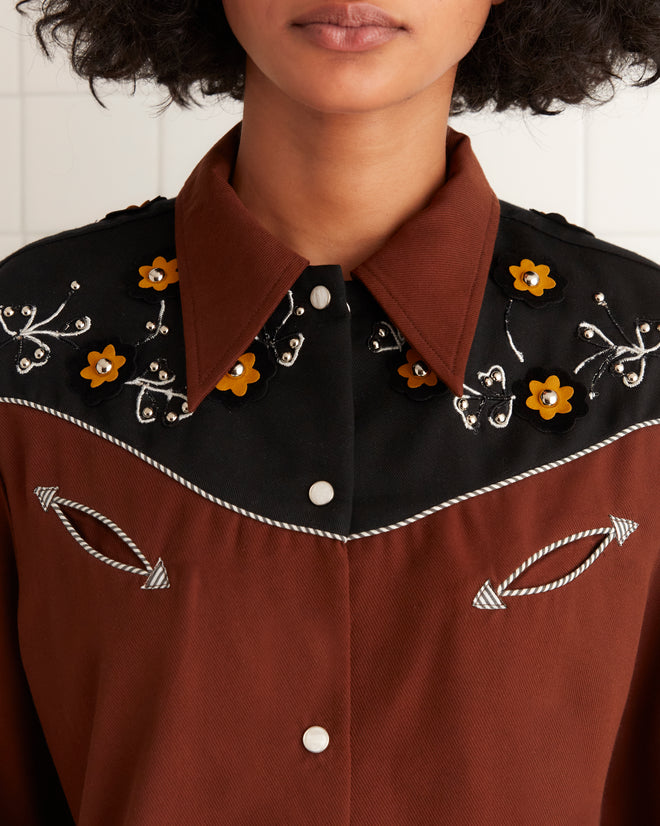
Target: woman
328	484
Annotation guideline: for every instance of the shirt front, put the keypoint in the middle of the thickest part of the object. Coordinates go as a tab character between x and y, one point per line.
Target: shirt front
283	548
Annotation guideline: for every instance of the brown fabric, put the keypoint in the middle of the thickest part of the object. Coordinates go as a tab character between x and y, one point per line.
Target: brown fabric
429	277
187	706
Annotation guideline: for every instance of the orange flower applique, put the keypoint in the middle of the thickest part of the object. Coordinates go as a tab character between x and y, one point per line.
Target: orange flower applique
103	366
416	371
240	376
159	275
532	278
549	398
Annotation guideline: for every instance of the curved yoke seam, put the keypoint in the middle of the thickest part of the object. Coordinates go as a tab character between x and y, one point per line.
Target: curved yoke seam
317	531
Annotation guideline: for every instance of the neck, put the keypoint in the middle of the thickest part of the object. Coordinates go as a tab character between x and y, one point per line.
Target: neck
334	187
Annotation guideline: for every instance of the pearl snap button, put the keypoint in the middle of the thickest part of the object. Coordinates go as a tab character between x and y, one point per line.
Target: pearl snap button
321	493
316	739
320	297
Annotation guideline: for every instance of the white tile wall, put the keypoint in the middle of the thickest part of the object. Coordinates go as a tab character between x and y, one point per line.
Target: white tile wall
65	161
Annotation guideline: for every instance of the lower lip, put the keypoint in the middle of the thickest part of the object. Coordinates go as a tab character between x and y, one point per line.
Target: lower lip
348	38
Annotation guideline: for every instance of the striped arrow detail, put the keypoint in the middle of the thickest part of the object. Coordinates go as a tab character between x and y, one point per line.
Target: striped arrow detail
156	576
491	598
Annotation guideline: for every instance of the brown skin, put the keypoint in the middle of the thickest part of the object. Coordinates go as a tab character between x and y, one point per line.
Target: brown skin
339	149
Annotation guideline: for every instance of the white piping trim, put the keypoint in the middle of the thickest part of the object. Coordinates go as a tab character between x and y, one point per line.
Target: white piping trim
302	528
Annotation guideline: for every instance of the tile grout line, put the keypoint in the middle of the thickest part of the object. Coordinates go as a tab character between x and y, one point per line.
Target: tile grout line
22	131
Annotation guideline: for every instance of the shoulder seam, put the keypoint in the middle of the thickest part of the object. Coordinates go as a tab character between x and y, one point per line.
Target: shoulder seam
87	229
588	242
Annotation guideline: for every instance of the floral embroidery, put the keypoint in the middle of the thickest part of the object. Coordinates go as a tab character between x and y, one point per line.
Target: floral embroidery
416	379
537	285
628	360
285	347
159	275
241	374
493	396
33	350
550	400
157	395
385	337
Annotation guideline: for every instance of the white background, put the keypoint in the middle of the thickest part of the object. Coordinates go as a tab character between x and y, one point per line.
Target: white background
65	161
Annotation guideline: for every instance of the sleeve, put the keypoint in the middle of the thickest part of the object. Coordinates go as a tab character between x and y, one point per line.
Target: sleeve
30	791
632	790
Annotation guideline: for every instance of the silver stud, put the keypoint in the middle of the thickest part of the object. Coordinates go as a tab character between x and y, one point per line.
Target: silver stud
80	324
531	278
420	369
294	343
488	381
151	326
497	376
500	418
26	310
171	417
549	398
375	345
39	353
163	375
103	366
25	363
237	370
154	367
286	357
471	419
632	377
164	330
382	332
184	407
618	367
588	333
156	275
645	327
147	413
75	285
599	298
8	312
464	404
300	311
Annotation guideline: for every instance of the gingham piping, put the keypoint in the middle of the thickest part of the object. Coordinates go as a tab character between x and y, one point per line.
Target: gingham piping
304	529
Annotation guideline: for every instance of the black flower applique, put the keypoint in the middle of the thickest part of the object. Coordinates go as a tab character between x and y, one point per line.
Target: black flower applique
102	368
248	378
415	378
536	285
550	399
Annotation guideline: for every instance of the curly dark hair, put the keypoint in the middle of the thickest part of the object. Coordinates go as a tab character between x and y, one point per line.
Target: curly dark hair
531	53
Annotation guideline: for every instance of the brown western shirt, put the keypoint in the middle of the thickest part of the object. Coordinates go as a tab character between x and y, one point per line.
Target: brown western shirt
280	548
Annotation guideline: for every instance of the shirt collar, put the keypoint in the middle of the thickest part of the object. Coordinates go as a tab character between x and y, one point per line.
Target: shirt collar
429	277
